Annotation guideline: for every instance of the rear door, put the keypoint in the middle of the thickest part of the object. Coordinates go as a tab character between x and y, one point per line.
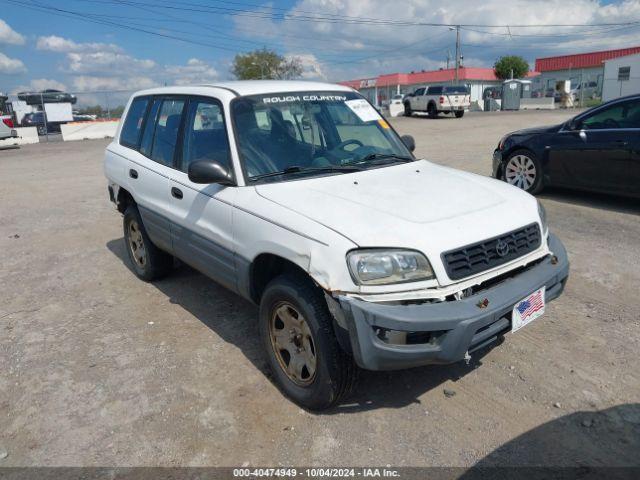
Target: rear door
599	155
419	102
148	174
201	215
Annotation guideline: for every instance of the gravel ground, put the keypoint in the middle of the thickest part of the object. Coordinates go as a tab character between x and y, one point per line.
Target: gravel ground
99	368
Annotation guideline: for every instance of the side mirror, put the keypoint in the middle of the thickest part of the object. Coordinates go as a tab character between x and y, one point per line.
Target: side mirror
574	124
409	142
209	171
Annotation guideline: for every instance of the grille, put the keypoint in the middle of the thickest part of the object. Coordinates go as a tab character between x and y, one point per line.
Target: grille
481	256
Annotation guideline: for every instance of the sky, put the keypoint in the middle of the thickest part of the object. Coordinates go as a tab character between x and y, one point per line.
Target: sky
119	46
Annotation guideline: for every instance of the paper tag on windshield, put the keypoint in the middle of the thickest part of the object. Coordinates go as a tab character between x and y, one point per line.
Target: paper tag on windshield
363	110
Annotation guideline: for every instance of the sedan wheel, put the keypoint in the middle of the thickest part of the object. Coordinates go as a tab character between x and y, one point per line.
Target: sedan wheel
521	172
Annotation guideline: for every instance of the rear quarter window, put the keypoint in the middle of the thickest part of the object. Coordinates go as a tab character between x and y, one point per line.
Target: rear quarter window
132	127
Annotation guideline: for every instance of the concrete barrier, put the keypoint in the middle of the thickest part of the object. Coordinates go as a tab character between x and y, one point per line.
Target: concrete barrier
542	103
88	130
396	109
25	136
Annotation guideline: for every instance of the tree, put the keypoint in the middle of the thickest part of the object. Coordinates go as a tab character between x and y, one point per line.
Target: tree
265	63
504	66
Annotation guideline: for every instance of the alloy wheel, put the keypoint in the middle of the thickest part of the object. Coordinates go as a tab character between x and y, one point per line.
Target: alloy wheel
293	344
521	172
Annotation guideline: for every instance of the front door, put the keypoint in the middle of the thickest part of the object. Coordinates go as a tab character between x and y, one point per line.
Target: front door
201	215
598	155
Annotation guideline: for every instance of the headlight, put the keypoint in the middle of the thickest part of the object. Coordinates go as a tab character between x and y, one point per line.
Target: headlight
543	219
384	267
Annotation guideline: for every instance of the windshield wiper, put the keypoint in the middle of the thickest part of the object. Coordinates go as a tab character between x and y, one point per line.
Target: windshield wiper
296	169
382	157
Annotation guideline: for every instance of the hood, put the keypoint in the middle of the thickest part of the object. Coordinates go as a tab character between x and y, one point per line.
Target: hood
416	205
537	130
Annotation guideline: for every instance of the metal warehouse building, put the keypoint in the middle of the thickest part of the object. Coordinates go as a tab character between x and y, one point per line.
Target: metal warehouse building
584	68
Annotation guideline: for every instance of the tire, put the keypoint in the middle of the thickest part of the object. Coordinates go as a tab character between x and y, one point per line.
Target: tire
460	114
41	130
330	372
515	168
432	111
407	109
147	261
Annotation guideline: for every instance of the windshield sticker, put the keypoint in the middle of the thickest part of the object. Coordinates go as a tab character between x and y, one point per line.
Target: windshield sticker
304	98
363	110
383	124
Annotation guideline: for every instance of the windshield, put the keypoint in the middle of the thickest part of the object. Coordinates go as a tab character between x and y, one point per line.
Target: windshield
457	89
312	133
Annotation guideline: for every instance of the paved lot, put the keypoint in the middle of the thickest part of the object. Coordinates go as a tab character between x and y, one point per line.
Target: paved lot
98	368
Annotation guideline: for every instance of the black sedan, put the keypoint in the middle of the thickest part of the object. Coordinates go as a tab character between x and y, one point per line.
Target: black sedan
598	150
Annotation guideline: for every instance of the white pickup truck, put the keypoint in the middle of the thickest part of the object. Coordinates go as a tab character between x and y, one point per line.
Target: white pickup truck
437	99
301	198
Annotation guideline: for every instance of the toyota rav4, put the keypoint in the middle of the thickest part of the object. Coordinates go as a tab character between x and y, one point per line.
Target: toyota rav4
301	198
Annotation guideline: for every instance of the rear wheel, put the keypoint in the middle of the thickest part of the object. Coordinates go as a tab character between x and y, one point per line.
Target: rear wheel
523	170
303	353
148	262
407	109
432	110
460	114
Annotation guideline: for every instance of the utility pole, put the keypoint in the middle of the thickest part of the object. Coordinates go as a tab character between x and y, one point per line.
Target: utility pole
448	58
44	116
457	51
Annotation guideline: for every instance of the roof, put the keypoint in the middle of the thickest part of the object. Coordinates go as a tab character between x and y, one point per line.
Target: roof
581	60
253	87
433	76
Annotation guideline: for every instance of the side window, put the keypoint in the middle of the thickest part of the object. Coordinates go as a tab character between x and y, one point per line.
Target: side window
166	134
205	136
150	128
419	91
621	115
435	90
130	134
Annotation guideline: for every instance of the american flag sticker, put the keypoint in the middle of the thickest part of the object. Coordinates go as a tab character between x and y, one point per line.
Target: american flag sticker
527	310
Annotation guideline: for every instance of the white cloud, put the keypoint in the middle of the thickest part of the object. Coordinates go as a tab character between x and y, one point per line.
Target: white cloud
107	63
38	84
195	71
11	66
53	43
9	35
360	50
87	83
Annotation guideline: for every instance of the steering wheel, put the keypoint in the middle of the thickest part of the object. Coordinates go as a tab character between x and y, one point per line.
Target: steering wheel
353	141
611	123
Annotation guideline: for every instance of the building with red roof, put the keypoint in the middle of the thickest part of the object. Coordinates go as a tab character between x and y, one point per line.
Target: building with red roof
381	88
582	68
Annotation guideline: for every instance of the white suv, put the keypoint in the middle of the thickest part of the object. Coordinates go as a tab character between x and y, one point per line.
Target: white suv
301	198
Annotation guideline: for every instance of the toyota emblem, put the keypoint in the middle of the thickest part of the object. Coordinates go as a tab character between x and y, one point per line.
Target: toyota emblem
502	248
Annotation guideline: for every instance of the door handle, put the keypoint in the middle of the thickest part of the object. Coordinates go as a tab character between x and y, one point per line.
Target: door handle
622	143
133	173
176	192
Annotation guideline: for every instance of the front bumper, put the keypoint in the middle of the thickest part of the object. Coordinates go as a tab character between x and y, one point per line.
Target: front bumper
497	160
454	328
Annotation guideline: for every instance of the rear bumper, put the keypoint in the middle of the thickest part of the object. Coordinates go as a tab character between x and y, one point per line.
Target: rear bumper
451	329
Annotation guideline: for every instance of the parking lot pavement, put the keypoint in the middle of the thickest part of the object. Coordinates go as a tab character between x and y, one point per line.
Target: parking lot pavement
99	368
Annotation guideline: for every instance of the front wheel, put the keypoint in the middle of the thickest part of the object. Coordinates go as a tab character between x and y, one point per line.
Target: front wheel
523	170
460	114
303	353
407	109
